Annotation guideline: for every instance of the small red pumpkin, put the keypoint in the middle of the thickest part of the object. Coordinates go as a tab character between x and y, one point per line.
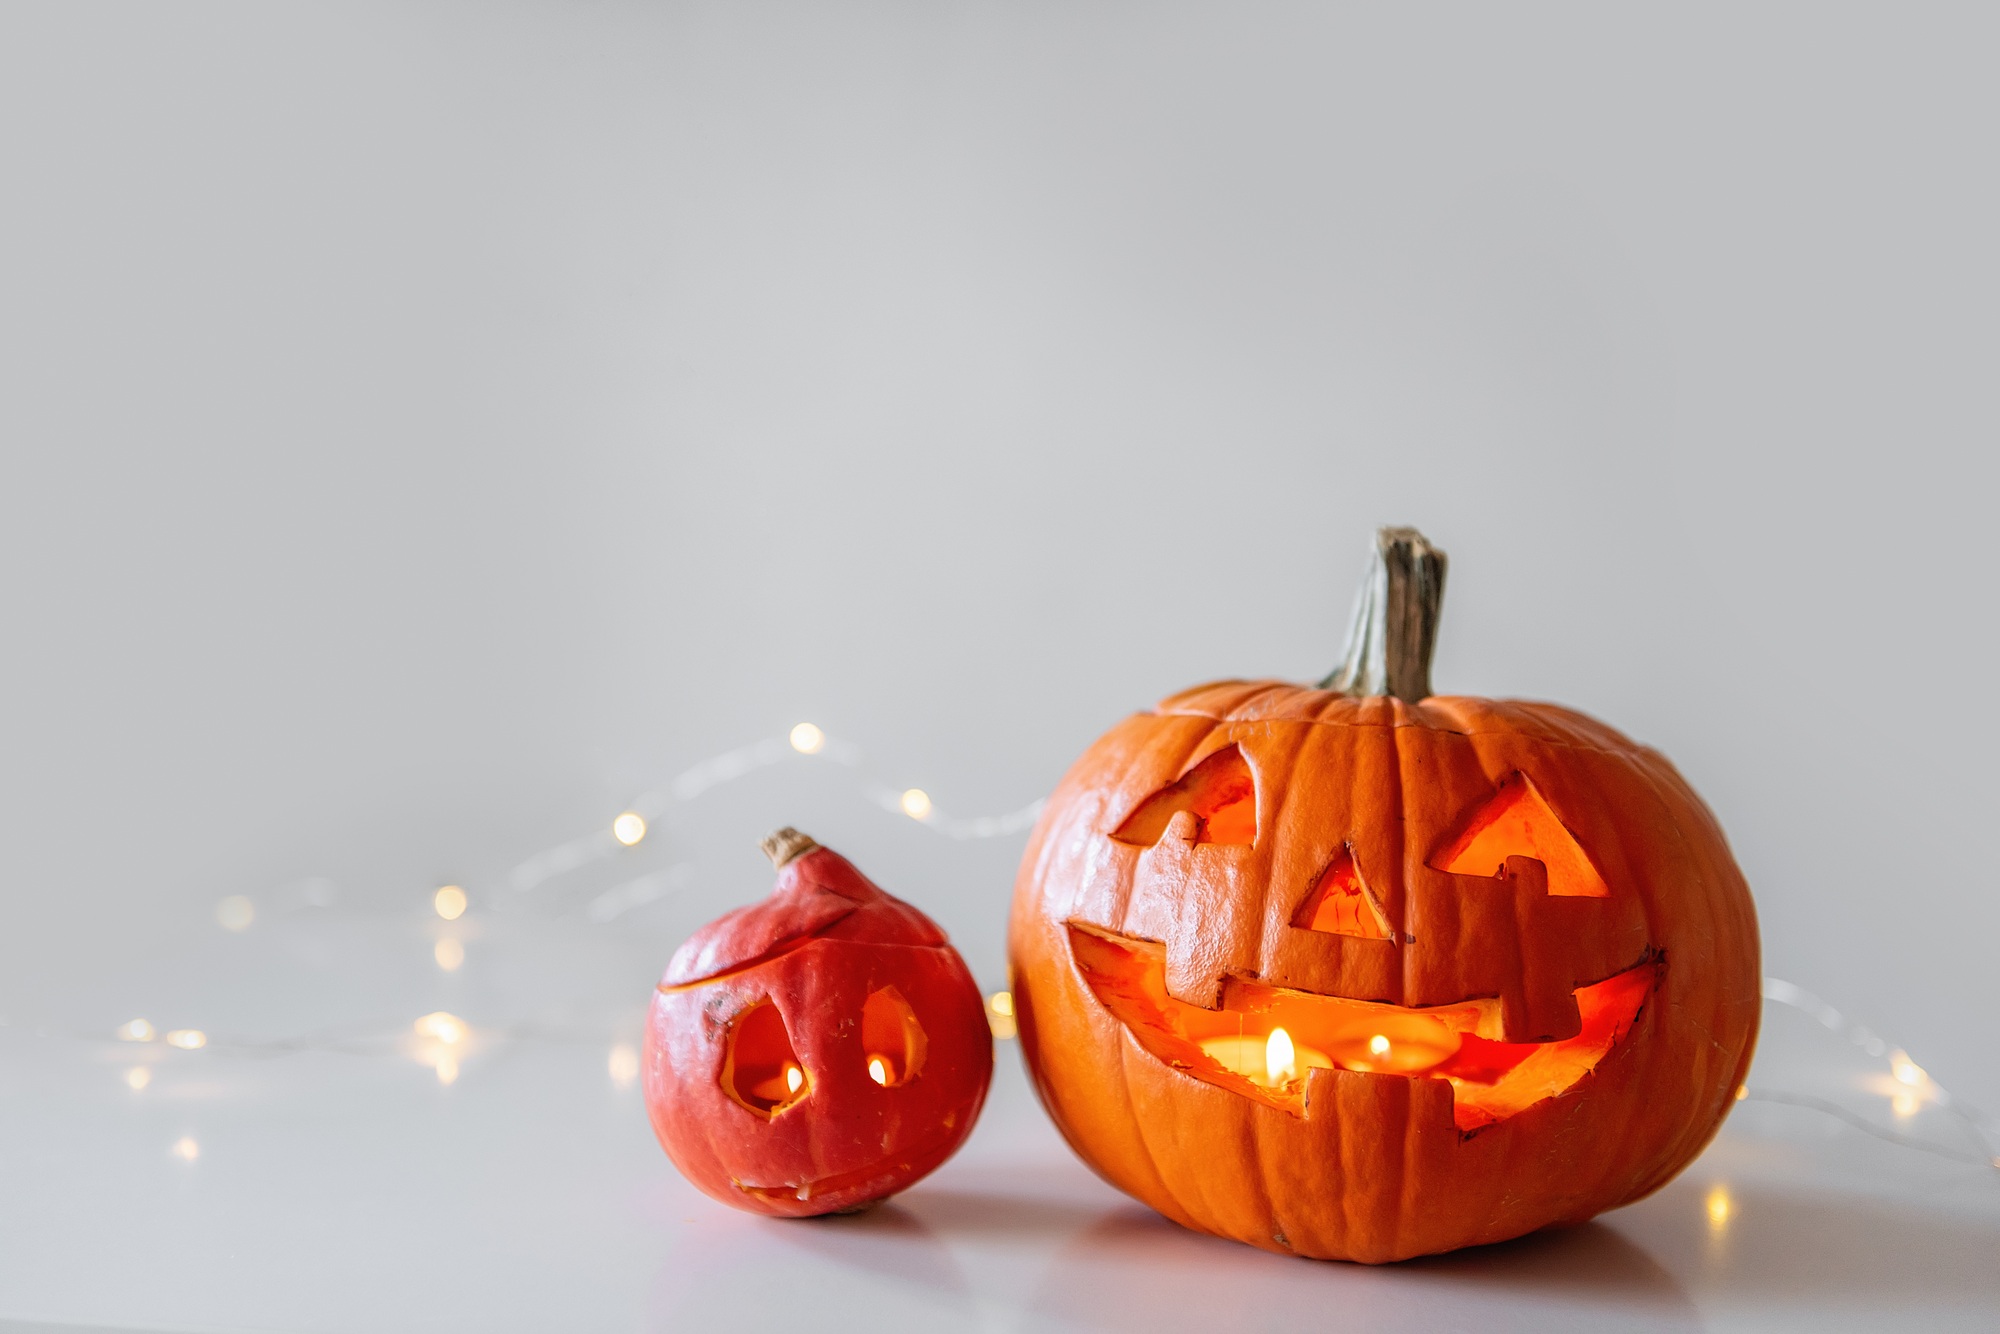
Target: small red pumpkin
818	1051
1359	972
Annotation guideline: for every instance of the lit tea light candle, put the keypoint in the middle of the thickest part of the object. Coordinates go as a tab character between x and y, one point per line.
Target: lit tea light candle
878	1070
1271	1060
794	1077
1399	1044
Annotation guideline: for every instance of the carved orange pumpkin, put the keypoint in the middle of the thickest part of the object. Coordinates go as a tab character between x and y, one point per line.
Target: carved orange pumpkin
1358	972
818	1051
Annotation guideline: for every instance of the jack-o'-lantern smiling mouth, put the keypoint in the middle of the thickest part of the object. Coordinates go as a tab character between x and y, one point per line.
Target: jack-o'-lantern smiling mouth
1263	1041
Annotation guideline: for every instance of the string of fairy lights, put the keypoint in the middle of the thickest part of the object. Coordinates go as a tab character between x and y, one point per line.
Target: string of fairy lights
443	1041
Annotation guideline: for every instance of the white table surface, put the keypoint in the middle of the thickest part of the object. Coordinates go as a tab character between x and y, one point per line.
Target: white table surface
337	1185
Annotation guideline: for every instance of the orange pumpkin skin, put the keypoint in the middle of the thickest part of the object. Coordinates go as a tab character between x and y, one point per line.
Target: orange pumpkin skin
1374	1166
816	954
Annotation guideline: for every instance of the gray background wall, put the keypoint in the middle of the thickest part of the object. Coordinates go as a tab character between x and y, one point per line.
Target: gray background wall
425	428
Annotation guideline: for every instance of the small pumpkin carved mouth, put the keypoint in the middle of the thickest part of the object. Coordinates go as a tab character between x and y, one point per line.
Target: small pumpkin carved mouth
1263	1041
820	1187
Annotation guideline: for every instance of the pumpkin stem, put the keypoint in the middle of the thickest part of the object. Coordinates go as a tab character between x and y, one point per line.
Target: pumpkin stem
785	846
1394	630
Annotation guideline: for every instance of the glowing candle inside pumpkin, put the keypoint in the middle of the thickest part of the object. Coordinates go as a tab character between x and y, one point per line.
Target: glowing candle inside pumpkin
1396	1044
878	1070
1279	1064
793	1078
1274	1060
1400	1044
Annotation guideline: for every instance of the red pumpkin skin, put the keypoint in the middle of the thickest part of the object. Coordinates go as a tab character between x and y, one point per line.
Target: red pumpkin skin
816	949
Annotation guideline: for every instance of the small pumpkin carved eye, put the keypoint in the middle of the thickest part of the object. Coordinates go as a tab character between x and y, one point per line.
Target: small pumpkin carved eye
1220	792
1340	903
760	1068
1517	821
892	1037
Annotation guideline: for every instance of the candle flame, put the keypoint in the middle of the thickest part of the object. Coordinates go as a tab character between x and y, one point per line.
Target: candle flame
1280	1058
795	1077
1378	1045
878	1070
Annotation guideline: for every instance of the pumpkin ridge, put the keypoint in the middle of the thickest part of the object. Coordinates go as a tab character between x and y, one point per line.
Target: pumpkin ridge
1632	748
1627	749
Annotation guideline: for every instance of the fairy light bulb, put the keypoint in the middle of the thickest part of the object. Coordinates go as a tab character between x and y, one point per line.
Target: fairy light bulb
138	1077
629	828
446	1028
449	903
449	953
1720	1208
138	1030
917	804
1000	1014
187	1039
807	739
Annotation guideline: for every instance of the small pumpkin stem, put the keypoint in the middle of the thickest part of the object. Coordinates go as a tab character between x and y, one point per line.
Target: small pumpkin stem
785	846
1394	630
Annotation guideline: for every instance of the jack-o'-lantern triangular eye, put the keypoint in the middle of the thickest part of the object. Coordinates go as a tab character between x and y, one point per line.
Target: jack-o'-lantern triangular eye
892	1038
760	1068
1517	821
1219	792
1341	903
